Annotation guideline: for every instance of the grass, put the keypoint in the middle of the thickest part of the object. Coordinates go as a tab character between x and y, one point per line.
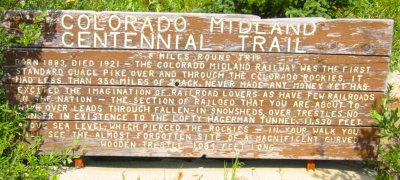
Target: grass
236	165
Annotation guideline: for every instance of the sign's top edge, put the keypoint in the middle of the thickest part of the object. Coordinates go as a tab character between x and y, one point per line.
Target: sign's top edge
250	16
247	17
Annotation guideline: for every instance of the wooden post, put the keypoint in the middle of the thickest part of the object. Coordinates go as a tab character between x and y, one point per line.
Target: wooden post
79	163
310	165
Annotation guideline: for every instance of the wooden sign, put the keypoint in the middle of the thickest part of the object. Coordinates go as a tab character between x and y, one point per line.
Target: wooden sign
201	85
213	32
212	140
197	69
205	105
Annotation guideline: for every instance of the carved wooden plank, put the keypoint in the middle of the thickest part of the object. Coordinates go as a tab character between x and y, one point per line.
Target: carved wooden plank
195	85
211	140
206	105
88	29
196	69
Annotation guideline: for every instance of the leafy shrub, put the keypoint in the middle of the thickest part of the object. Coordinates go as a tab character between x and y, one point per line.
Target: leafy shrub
225	6
263	8
310	8
387	164
19	157
292	8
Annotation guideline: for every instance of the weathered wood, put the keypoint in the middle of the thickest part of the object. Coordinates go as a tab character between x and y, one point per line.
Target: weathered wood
196	69
81	29
211	140
201	85
206	105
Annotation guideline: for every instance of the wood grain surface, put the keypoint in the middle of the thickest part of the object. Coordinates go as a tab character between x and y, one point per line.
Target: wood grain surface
205	105
196	69
211	140
201	85
216	32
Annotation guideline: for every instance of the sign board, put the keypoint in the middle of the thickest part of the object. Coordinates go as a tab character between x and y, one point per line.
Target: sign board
202	85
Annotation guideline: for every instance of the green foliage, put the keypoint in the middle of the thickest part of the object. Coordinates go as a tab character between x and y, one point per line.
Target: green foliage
387	165
225	6
264	8
292	8
309	8
19	157
31	32
236	165
395	62
217	6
